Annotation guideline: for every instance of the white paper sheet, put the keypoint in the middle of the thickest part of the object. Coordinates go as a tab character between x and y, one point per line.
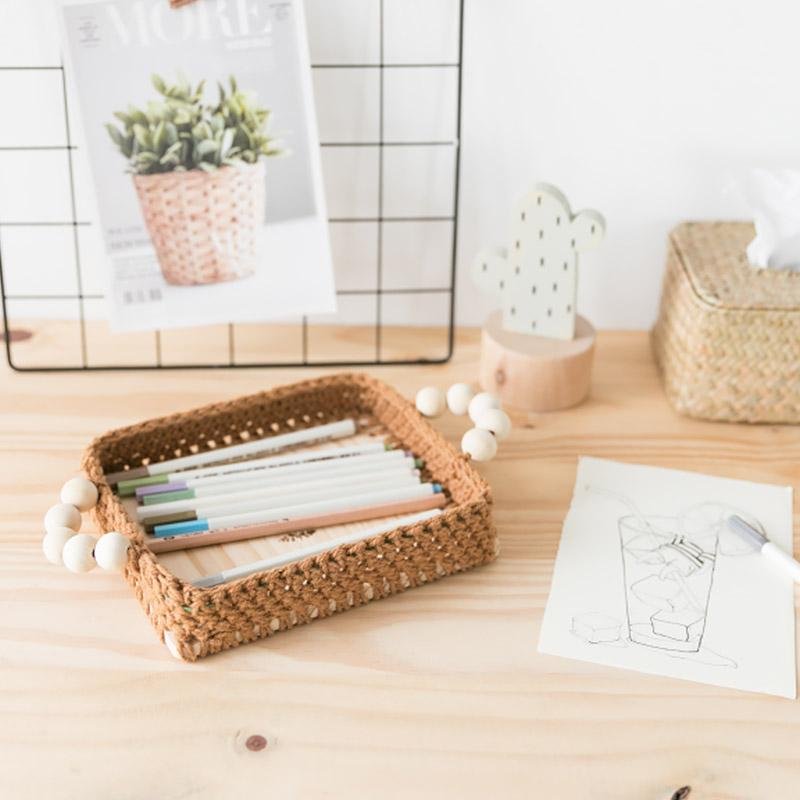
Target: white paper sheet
649	578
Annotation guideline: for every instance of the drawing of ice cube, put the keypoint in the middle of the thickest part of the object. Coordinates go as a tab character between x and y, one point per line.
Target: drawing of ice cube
668	580
596	628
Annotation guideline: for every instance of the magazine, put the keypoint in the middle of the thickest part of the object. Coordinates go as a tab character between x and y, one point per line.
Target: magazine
201	137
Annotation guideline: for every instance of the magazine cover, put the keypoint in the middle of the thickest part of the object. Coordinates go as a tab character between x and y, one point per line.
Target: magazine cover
201	136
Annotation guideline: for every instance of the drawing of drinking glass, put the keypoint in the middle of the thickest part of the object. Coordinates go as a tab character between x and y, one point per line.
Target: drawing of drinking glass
668	579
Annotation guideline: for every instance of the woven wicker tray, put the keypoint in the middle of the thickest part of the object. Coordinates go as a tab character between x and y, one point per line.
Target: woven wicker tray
198	622
727	338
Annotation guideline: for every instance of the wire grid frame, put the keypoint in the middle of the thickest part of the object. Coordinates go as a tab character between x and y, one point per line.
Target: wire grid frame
380	220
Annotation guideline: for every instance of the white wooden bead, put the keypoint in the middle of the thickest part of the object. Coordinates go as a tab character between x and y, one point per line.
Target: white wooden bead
496	421
430	401
53	543
62	515
480	444
458	397
172	645
77	553
480	403
79	492
111	551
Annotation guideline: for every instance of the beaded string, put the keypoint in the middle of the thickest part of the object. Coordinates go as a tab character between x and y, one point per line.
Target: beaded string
80	552
491	423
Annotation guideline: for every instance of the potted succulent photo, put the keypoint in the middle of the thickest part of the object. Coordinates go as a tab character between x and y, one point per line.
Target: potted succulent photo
199	173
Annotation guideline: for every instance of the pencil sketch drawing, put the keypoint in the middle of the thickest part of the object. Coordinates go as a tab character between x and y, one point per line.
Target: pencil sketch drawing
650	577
668	565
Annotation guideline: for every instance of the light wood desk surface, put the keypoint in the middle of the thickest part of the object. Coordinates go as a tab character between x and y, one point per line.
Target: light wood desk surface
436	693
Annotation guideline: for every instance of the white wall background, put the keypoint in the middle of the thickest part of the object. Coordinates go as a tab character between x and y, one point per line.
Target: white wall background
642	109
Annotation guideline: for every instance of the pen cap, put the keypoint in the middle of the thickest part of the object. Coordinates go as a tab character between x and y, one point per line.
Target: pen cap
746	531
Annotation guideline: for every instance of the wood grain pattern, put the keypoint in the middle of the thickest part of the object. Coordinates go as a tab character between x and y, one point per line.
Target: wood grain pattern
436	693
535	373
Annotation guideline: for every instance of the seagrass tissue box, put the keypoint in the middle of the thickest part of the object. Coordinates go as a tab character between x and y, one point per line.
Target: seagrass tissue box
727	337
195	622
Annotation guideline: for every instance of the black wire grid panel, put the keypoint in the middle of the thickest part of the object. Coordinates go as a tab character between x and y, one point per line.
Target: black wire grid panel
379	291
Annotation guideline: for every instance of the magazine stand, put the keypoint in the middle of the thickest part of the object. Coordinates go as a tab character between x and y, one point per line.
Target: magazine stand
375	307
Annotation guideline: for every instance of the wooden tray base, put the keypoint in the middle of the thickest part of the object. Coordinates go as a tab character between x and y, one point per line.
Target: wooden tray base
534	373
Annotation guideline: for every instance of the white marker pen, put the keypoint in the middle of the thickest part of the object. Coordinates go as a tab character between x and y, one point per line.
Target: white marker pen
767	548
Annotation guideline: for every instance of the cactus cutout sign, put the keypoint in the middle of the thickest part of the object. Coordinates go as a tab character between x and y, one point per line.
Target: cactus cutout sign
536	276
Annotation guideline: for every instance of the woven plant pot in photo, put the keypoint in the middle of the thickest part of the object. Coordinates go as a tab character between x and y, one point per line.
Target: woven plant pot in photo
203	224
727	338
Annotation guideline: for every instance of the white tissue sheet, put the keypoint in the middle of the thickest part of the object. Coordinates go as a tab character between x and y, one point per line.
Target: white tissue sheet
773	197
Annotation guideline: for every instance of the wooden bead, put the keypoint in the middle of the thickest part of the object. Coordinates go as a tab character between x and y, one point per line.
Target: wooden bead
480	403
53	543
79	492
496	421
480	444
62	515
77	553
111	551
172	645
430	401
458	397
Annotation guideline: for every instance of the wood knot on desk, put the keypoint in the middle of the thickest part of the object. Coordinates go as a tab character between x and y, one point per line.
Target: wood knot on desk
255	743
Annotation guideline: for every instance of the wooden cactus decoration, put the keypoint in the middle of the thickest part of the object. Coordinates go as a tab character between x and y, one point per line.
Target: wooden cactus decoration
536	277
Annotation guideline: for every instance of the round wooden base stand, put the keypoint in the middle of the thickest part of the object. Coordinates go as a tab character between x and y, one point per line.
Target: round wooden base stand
534	373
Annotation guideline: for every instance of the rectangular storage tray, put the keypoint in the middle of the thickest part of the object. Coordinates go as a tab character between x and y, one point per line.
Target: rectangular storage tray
197	622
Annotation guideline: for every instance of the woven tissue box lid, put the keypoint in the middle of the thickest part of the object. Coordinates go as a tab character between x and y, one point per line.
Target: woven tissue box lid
714	257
